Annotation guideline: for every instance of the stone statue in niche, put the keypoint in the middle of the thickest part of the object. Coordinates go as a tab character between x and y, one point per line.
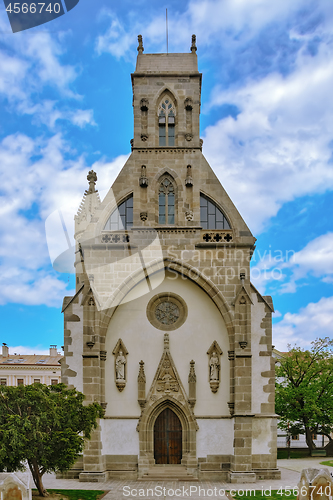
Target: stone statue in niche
214	364
120	361
214	353
120	366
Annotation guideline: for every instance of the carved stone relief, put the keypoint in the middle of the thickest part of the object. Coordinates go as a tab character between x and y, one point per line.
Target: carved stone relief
189	215
166	381
188	104
188	179
144	103
143	179
144	119
120	369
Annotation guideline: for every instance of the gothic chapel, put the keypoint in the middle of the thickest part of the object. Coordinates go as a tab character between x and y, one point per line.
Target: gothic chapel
165	329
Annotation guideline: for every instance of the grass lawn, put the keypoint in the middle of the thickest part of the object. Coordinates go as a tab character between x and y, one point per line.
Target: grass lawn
77	494
327	462
267	494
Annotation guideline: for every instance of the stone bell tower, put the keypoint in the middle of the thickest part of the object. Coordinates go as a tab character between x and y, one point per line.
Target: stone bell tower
160	119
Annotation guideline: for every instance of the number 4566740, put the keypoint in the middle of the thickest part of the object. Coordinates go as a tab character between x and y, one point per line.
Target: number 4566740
33	8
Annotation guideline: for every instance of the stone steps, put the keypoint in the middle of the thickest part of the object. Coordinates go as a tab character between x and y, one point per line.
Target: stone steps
168	473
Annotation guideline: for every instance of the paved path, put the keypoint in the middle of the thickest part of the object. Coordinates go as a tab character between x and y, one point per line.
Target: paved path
297	464
173	490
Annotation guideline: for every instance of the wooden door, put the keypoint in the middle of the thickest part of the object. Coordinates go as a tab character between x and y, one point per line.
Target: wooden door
167	438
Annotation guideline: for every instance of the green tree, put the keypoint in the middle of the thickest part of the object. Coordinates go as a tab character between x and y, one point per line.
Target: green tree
44	426
304	390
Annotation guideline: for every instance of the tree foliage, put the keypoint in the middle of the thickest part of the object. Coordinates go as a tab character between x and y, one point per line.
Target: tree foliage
304	390
45	426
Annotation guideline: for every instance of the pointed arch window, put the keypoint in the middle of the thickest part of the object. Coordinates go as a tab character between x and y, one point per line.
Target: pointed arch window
166	202
211	216
166	123
122	217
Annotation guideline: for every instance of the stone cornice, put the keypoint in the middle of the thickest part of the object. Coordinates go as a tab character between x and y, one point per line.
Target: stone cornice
174	150
160	74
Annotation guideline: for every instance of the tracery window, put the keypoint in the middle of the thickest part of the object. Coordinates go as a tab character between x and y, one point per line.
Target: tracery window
211	216
166	123
122	217
166	202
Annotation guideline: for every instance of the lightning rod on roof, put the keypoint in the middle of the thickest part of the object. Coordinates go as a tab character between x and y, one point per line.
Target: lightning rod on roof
166	26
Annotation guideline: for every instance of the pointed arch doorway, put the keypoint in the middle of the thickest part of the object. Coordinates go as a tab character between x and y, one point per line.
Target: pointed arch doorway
167	438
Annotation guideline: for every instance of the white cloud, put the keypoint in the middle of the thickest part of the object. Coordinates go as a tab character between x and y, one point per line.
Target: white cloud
44	51
313	321
21	286
287	269
48	113
226	24
279	146
81	117
41	186
38	66
12	71
116	40
316	257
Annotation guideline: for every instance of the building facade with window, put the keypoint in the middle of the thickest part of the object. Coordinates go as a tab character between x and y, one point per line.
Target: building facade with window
166	330
17	369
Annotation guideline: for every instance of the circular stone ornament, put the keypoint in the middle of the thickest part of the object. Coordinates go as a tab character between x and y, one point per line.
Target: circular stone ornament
167	311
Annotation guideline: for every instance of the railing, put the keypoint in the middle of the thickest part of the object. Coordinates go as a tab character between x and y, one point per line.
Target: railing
115	237
217	236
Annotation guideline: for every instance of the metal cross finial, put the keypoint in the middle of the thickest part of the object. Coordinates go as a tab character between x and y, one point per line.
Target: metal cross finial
140	46
194	46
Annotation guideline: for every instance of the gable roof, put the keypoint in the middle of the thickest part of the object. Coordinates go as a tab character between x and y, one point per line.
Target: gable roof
69	300
265	298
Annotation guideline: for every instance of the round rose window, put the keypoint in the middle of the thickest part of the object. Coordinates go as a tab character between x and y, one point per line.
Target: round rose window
167	311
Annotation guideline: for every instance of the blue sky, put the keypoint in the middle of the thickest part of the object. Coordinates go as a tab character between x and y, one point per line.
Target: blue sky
266	121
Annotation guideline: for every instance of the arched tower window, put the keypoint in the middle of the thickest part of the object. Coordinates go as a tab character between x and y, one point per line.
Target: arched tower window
166	122
122	217
211	216
166	202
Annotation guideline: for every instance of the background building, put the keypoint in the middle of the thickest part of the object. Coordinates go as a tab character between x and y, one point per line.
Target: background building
17	369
